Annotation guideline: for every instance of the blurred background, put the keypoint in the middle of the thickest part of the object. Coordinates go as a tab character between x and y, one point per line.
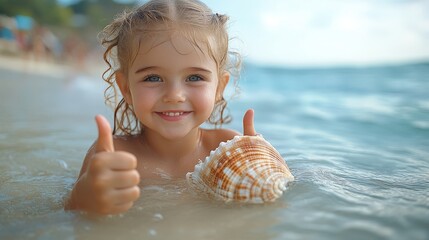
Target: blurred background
61	32
339	87
289	33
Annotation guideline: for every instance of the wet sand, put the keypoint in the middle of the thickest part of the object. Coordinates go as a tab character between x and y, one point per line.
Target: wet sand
49	67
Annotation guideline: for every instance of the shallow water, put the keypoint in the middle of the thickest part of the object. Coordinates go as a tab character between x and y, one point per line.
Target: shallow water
355	139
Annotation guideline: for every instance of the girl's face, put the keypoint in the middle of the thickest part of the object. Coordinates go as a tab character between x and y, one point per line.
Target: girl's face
172	87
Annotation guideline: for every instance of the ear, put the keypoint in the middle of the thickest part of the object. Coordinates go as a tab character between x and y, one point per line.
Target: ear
123	85
223	81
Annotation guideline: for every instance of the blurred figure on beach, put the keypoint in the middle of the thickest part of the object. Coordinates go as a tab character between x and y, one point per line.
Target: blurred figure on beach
45	45
8	42
30	46
23	36
61	34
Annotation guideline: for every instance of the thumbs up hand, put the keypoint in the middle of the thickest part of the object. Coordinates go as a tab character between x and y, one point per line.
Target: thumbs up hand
110	183
248	125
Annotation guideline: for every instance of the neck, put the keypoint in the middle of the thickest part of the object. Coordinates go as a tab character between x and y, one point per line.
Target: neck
172	149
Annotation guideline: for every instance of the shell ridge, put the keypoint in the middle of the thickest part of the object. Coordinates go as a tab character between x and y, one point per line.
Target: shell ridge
244	169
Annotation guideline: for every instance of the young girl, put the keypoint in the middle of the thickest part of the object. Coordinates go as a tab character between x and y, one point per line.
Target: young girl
171	63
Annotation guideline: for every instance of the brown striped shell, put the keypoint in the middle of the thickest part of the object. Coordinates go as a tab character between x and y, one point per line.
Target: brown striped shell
243	169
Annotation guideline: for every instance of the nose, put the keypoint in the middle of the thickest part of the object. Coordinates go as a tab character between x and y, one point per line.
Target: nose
174	93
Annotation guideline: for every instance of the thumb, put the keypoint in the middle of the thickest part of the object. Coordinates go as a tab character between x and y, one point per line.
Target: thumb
248	126
105	138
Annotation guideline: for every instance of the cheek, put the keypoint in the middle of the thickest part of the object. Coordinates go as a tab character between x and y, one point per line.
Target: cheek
204	100
143	99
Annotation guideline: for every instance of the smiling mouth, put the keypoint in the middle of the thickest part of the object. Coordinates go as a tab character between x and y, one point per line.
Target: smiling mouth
172	114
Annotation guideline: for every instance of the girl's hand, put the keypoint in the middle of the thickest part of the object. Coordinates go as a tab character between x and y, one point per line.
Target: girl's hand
110	183
248	126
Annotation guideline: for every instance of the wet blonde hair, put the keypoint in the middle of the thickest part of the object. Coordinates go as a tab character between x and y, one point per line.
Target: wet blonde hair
197	23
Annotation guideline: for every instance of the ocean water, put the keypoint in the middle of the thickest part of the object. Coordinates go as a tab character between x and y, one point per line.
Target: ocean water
356	140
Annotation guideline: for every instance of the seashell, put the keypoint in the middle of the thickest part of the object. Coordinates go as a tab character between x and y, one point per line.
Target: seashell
244	169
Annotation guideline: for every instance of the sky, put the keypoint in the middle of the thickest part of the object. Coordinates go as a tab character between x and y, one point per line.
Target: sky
329	32
305	33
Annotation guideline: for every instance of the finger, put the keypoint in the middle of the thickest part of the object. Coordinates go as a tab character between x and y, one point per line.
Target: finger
126	195
124	179
105	138
248	126
121	161
116	161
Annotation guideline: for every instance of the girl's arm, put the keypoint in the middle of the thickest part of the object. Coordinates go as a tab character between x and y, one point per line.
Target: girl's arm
108	180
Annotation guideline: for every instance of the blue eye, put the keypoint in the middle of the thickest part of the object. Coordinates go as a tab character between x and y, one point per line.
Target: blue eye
194	78
152	78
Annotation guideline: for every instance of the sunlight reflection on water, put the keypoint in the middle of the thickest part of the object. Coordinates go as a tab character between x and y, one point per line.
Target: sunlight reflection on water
357	150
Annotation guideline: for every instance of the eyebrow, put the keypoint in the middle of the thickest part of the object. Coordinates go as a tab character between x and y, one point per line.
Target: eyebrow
191	68
146	68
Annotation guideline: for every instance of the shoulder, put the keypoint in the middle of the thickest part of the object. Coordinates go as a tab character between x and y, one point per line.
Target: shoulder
125	142
213	137
221	134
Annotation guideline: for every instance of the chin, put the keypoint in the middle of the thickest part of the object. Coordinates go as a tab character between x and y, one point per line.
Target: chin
174	135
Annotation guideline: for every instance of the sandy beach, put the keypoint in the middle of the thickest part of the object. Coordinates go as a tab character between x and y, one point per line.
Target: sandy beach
49	67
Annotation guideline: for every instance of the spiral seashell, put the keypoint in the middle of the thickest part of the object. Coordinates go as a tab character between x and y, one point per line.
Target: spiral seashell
243	169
